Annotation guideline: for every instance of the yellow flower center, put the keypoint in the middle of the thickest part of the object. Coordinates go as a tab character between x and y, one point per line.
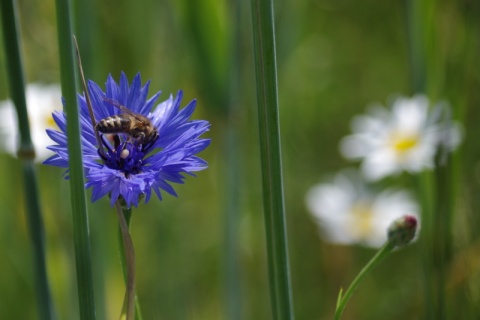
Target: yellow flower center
362	219
403	143
49	122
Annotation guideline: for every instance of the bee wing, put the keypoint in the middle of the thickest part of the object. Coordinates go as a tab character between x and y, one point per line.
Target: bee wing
118	105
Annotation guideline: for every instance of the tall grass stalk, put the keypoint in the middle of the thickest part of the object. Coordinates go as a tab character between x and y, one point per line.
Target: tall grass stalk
127	260
269	128
437	196
209	44
234	169
85	17
76	175
26	154
233	296
425	192
414	16
442	235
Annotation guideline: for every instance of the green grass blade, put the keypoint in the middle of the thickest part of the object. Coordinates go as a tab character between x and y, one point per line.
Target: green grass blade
15	71
436	189
77	185
234	174
26	153
266	75
416	45
35	224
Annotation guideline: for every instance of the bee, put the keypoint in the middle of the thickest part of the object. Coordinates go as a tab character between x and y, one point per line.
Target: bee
135	125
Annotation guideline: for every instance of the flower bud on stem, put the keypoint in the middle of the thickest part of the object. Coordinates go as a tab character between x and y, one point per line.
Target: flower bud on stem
400	233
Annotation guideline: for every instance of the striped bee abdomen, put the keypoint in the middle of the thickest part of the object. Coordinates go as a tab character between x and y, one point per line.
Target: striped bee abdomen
114	124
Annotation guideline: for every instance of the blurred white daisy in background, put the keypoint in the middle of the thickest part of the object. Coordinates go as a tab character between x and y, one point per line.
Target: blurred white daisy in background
348	212
404	138
42	100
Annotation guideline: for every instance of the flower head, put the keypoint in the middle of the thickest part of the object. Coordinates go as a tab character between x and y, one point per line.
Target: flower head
402	231
348	212
405	138
128	166
41	101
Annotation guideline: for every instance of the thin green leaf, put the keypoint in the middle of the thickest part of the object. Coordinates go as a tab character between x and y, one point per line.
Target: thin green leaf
26	153
77	185
339	298
266	75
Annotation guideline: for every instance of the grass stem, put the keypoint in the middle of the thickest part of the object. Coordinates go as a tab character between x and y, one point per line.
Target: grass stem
270	151
76	174
26	154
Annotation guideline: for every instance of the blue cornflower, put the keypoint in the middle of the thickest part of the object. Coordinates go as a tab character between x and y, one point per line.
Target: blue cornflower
126	166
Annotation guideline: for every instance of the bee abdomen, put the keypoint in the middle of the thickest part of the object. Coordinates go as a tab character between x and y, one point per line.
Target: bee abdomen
113	124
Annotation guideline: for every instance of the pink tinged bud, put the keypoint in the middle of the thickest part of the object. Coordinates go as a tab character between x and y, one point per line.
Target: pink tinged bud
402	230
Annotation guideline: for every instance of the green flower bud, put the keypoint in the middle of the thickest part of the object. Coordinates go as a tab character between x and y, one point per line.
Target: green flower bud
402	230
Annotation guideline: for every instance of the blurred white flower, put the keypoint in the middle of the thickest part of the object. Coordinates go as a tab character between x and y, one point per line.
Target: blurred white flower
348	212
42	100
405	138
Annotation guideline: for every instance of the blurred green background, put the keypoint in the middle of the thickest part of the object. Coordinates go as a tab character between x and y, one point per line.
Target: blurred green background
202	255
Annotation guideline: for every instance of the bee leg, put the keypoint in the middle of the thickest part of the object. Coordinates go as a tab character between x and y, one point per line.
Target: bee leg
116	141
148	145
105	142
139	138
102	156
150	142
106	145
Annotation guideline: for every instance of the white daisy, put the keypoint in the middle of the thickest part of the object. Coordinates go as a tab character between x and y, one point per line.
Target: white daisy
405	138
348	212
42	100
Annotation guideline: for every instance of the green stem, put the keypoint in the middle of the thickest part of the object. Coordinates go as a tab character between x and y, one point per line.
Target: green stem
416	44
436	190
15	72
269	129
26	153
442	233
37	233
425	190
127	258
379	257
77	184
234	169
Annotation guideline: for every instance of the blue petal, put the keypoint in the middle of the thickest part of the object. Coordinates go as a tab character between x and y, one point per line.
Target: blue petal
57	161
148	106
141	98
184	114
133	94
113	91
56	136
123	88
60	120
165	111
